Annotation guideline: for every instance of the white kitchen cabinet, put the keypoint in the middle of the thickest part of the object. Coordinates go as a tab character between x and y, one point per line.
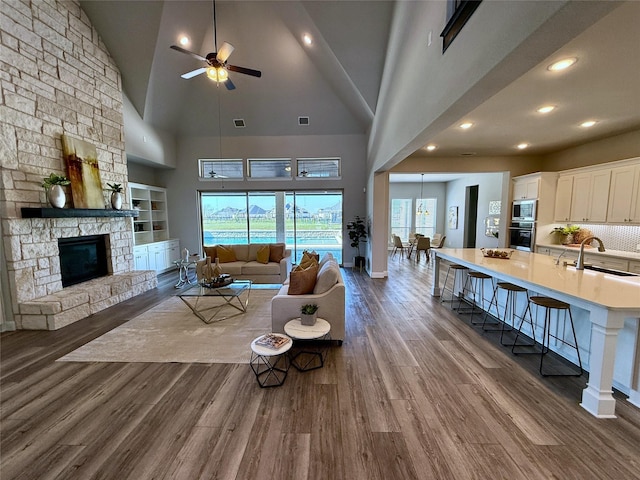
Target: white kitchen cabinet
590	196
624	195
526	187
564	191
141	257
157	256
172	252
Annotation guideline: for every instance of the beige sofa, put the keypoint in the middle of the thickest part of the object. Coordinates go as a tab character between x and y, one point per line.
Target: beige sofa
246	266
331	302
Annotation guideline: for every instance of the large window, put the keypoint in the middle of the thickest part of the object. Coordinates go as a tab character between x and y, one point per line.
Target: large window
303	220
426	216
401	216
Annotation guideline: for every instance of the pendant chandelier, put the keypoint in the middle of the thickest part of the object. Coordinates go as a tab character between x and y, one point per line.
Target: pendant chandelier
419	209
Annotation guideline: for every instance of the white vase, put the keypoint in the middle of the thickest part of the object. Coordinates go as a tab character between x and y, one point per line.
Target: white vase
57	197
116	200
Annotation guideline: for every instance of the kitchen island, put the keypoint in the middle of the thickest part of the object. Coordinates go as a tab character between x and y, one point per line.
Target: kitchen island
608	299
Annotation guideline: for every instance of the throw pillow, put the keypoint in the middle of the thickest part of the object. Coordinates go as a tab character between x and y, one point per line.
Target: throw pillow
262	255
327	278
302	282
307	260
276	252
226	254
210	252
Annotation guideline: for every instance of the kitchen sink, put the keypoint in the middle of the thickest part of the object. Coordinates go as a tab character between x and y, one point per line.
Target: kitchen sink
620	273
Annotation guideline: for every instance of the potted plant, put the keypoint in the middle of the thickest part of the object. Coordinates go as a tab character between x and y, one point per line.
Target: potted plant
53	186
567	232
357	234
309	314
116	195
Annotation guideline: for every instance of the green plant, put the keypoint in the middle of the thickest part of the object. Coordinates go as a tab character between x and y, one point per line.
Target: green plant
54	179
309	309
115	187
567	230
357	232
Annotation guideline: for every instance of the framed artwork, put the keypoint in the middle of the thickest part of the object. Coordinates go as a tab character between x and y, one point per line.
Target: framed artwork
82	166
453	218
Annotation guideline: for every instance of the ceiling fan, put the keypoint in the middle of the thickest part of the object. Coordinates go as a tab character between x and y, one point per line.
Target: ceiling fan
217	65
213	174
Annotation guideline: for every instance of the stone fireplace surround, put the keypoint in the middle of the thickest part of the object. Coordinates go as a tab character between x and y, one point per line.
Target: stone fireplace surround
33	267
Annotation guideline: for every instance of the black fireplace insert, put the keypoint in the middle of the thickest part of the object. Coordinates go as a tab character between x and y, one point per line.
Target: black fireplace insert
82	259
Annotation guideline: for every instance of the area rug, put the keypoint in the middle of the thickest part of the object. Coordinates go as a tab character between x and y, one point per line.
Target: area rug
170	332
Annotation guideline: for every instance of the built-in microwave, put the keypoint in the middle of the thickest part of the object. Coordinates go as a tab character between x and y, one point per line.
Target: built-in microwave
524	210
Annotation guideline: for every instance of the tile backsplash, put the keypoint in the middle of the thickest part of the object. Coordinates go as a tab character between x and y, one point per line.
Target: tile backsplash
617	237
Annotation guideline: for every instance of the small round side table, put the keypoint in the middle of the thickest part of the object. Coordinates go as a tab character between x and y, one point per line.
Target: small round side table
270	365
308	356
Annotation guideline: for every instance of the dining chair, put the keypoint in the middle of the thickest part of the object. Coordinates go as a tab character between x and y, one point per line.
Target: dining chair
397	245
439	244
423	244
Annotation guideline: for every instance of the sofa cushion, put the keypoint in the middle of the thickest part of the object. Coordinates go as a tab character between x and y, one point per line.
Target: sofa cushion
328	276
242	252
262	255
302	281
210	252
276	252
326	257
233	268
226	254
257	268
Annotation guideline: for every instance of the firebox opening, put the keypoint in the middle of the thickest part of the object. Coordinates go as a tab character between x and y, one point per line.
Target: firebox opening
82	259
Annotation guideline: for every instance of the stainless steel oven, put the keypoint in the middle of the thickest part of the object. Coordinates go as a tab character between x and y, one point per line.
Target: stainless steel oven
522	235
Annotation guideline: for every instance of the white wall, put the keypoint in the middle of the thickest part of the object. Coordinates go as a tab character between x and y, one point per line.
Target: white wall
183	184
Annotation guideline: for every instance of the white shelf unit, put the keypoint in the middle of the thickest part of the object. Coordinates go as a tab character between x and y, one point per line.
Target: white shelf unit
152	224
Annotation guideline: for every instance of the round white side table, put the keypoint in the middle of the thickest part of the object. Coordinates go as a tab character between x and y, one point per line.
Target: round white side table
308	355
270	365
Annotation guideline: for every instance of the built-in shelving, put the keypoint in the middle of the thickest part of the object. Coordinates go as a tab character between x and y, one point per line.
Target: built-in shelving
151	224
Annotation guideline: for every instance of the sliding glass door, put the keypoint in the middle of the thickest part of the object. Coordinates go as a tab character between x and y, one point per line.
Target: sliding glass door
306	220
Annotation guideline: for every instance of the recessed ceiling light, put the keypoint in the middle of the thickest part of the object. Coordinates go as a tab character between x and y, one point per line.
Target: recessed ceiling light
431	148
466	125
562	64
588	123
546	109
184	40
306	38
522	146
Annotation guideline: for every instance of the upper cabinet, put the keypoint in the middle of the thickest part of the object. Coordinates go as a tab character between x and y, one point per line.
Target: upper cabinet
624	196
526	187
599	194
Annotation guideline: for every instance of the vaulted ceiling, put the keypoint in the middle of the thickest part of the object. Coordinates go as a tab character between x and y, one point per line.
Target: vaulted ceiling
336	80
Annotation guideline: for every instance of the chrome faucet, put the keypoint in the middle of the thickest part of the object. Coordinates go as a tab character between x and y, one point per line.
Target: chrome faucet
560	256
580	261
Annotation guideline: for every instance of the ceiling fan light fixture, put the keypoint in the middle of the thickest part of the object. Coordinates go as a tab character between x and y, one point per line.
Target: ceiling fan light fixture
217	74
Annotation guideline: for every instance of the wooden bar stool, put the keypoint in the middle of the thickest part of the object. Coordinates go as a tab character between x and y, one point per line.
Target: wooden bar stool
550	304
457	270
474	285
509	317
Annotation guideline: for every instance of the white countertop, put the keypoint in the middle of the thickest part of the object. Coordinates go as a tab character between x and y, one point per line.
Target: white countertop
610	291
594	251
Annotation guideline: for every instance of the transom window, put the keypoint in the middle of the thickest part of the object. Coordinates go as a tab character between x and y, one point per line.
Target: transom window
269	167
212	168
318	167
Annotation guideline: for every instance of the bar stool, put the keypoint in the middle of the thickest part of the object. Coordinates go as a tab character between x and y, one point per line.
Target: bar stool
509	317
474	284
550	304
457	270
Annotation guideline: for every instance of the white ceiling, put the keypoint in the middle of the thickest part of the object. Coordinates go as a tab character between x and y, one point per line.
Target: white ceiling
336	81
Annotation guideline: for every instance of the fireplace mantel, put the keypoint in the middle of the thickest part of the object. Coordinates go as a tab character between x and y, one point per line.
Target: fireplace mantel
28	212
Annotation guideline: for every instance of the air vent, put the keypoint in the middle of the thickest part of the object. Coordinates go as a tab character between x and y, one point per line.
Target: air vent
239	122
303	121
468	154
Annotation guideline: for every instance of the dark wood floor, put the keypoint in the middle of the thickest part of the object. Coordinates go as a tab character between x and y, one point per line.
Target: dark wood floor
413	393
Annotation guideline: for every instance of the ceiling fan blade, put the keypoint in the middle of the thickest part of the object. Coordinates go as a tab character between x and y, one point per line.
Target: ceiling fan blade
182	50
246	71
229	84
224	52
193	73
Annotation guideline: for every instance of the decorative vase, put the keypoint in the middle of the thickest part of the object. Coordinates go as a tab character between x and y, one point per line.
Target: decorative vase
116	200
217	269
57	197
185	254
308	319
